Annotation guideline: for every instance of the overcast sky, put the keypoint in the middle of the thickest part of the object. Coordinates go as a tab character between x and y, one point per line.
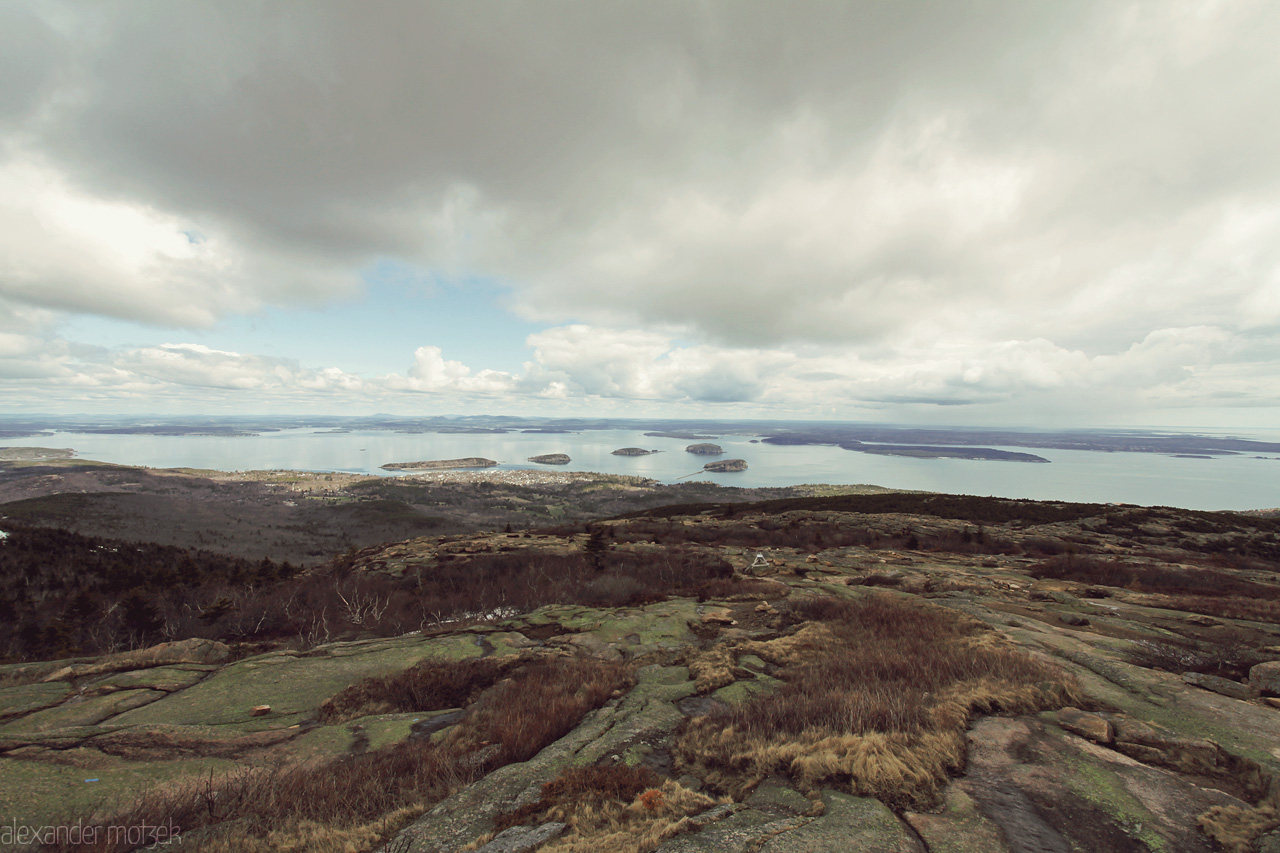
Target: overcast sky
1014	212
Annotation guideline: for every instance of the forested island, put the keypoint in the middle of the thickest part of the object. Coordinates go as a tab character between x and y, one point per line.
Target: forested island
441	464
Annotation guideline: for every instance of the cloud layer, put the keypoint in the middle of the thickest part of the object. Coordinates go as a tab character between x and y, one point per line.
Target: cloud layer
865	208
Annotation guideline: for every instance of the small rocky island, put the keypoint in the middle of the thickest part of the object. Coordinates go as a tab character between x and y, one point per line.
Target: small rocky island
726	465
705	449
441	464
551	459
632	451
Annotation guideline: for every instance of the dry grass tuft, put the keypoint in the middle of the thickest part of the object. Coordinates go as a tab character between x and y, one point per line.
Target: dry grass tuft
876	697
713	668
1235	829
634	828
581	787
616	808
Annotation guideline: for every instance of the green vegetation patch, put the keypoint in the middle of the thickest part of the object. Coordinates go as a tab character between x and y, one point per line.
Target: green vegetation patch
385	729
290	685
1105	788
82	712
166	678
36	793
31	697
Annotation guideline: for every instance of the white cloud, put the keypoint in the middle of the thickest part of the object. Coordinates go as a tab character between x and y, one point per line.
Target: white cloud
198	366
64	248
629	373
826	205
432	373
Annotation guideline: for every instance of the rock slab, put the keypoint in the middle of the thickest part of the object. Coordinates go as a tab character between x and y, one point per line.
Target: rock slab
1265	677
522	839
1224	686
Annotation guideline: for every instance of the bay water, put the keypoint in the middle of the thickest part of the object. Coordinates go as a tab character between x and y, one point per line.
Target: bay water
1226	482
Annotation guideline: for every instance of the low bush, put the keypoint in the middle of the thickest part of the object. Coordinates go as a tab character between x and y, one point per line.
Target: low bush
578	786
1228	607
1146	577
615	808
429	685
876	696
537	705
740	589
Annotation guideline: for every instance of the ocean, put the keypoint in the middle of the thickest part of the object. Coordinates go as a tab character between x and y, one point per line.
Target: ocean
1226	482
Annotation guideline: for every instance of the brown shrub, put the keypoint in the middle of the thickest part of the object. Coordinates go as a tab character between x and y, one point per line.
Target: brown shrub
876	579
1228	607
429	685
606	819
578	786
1146	577
876	696
539	704
361	796
740	589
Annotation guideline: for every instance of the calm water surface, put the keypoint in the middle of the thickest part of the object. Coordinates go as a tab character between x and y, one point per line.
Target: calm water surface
1231	482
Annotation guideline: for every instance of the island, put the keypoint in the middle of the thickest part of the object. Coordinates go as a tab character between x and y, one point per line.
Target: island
438	464
916	451
632	451
726	465
705	449
687	436
551	459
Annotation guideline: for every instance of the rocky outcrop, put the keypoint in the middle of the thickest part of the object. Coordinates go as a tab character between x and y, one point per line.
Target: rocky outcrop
551	459
441	464
522	839
704	449
1225	686
1087	725
1265	677
193	650
721	465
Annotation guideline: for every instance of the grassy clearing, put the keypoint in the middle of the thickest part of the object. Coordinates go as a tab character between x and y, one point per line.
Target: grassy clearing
876	697
357	801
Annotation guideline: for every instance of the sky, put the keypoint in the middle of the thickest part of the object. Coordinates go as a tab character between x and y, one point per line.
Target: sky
953	212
